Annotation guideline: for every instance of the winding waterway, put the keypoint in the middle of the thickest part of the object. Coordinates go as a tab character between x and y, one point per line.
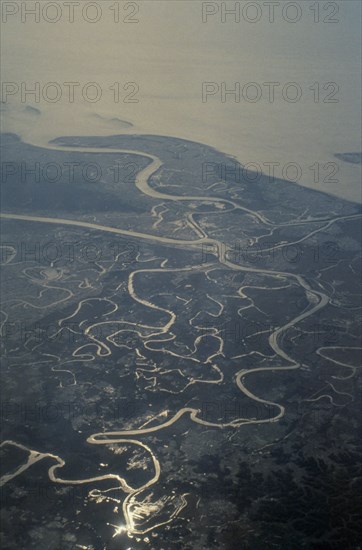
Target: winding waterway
133	506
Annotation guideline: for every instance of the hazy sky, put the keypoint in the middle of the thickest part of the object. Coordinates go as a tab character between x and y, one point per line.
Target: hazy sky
170	52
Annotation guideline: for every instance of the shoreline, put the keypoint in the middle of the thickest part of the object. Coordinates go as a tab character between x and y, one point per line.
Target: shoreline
59	147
